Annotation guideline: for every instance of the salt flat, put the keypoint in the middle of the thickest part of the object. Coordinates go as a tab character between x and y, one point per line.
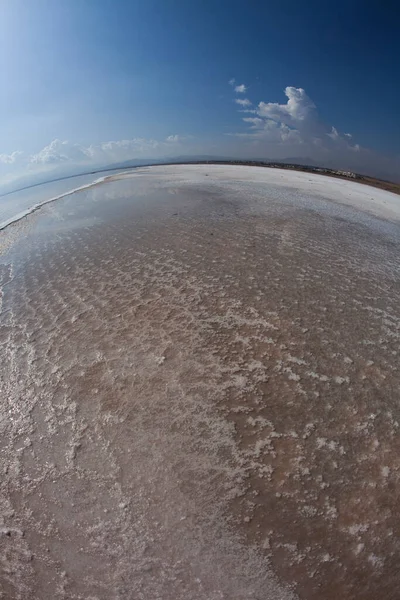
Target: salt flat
367	198
200	389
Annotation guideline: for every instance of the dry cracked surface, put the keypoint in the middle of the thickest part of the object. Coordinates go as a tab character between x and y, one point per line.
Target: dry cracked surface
199	394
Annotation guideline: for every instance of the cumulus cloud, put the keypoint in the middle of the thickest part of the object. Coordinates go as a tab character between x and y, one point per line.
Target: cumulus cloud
295	122
9	159
241	89
59	151
298	108
243	102
300	114
295	129
63	151
64	157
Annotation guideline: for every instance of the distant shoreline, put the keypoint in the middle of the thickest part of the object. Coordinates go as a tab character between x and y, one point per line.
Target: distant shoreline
382	184
389	186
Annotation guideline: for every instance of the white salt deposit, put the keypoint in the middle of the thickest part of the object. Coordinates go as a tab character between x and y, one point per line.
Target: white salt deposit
199	390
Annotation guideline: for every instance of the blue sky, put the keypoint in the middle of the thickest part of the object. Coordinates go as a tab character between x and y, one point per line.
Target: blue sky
90	82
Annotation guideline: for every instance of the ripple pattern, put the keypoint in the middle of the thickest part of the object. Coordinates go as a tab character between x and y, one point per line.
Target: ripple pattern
199	390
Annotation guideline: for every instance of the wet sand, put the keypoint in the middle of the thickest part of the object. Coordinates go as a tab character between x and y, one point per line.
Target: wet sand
200	390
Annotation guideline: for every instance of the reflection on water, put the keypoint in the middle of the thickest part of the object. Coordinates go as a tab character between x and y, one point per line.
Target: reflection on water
15	204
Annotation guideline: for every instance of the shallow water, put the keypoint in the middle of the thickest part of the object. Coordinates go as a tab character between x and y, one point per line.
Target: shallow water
16	205
199	393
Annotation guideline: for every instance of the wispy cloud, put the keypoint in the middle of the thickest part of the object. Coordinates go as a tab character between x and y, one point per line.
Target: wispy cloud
232	81
243	102
256	122
251	111
177	139
241	89
270	131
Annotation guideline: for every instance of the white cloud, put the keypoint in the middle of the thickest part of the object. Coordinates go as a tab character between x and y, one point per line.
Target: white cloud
334	135
232	81
62	151
298	108
241	89
270	131
59	151
295	129
9	159
175	139
296	122
342	140
125	149
255	121
61	157
243	102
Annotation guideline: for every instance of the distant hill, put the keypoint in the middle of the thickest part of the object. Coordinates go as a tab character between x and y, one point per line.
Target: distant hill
143	162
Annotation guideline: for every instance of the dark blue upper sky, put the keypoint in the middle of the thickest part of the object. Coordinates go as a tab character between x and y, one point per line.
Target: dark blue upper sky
94	80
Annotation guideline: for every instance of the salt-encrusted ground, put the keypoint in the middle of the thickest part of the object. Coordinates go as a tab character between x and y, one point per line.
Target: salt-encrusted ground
200	390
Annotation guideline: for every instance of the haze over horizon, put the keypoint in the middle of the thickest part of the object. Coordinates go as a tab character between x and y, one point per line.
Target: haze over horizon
92	84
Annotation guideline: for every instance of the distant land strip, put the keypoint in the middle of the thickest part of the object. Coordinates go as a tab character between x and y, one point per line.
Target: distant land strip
389	186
